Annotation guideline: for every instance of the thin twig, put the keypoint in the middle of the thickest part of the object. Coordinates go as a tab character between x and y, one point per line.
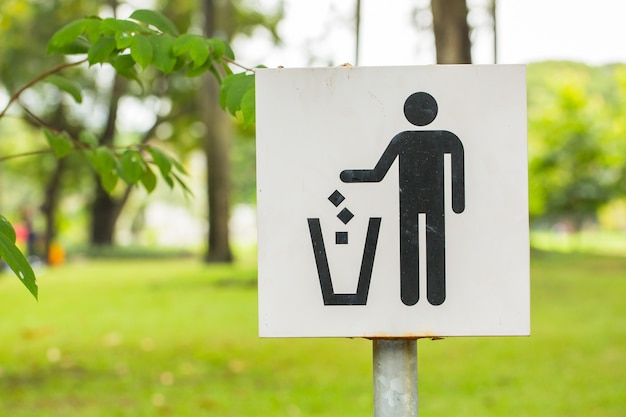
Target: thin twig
237	64
37	120
31	153
51	71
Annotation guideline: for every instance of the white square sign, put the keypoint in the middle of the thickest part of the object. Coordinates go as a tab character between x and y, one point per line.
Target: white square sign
392	201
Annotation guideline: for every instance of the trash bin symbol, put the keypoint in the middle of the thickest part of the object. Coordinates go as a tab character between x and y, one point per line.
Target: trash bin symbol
321	260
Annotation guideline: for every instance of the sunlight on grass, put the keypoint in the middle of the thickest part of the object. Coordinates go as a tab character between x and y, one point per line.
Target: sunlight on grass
598	242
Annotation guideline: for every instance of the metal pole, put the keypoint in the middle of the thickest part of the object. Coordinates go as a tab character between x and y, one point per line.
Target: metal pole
395	377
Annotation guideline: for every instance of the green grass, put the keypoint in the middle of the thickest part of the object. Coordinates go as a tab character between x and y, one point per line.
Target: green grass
173	337
593	241
574	364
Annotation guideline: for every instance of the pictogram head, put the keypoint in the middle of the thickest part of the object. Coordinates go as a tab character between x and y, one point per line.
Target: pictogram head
420	108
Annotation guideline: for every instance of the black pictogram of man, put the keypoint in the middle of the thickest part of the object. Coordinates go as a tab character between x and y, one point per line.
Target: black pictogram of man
421	186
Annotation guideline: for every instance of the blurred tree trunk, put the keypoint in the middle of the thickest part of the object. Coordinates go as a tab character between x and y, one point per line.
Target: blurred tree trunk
452	32
494	21
105	209
216	149
357	31
49	206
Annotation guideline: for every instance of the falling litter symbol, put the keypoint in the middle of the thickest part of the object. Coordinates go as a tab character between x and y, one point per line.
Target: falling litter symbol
329	295
345	215
336	198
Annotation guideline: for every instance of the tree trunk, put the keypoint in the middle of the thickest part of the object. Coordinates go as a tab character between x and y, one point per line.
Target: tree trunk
452	33
102	222
49	206
216	148
105	209
104	214
494	22
357	31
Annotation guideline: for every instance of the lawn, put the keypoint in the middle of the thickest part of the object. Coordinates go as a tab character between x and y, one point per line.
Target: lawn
174	337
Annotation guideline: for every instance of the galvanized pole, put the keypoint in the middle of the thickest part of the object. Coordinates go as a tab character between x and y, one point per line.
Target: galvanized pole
395	377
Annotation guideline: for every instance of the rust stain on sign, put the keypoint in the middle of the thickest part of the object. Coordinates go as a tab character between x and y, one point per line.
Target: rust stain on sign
405	336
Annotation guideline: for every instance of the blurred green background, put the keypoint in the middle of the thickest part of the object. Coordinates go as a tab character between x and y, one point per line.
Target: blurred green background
144	312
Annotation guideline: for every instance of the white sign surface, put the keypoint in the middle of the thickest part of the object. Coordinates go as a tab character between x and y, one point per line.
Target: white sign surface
392	201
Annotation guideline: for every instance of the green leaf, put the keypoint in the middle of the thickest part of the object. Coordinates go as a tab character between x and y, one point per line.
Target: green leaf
213	70
233	89
125	66
179	167
66	85
217	47
248	108
148	180
163	59
59	143
228	52
18	263
88	138
182	184
195	45
199	52
92	28
226	68
123	63
123	40
111	27
105	160
105	164
6	229
183	43
131	166
161	160
196	71
91	156
169	181
141	50
66	35
180	63
78	46
101	51
108	180
155	19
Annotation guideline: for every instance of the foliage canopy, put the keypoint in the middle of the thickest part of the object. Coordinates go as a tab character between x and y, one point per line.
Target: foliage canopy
147	39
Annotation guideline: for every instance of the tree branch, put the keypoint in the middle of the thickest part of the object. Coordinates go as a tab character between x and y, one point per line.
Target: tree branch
36	121
19	155
237	64
51	71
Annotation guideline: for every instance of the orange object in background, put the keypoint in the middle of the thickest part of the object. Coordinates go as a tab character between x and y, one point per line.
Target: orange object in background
56	255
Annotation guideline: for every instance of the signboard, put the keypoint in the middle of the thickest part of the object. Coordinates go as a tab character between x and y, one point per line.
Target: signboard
392	201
